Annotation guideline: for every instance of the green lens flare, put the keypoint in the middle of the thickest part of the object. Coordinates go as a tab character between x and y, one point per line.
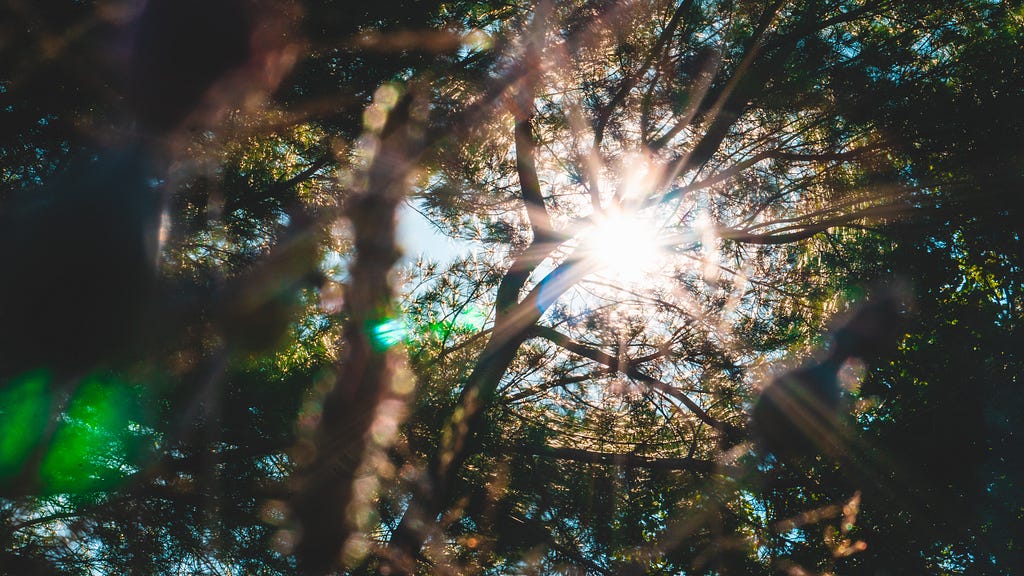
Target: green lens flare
89	447
387	332
24	411
471	318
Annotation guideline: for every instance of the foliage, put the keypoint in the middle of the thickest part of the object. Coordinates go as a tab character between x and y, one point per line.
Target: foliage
658	207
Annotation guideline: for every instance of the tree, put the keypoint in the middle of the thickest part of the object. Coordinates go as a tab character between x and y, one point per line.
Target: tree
667	202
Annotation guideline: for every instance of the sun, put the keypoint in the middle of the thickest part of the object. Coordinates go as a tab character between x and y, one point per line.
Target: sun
623	245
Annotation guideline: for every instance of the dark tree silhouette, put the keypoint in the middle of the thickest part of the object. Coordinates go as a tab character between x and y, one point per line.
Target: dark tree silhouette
799	414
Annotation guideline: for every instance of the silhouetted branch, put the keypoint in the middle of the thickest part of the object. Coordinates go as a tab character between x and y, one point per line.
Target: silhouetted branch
633	372
624	460
628	83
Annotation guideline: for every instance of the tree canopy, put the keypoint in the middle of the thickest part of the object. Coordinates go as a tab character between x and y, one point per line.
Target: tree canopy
650	238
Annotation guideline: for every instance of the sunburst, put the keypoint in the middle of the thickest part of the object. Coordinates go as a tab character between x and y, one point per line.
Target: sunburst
623	245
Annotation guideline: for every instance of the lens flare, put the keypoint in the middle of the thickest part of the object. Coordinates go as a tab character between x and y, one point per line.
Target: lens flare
387	332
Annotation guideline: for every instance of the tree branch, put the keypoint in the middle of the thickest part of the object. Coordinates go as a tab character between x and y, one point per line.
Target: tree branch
459	439
606	359
326	485
540	221
784	236
749	78
777	154
630	81
624	460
